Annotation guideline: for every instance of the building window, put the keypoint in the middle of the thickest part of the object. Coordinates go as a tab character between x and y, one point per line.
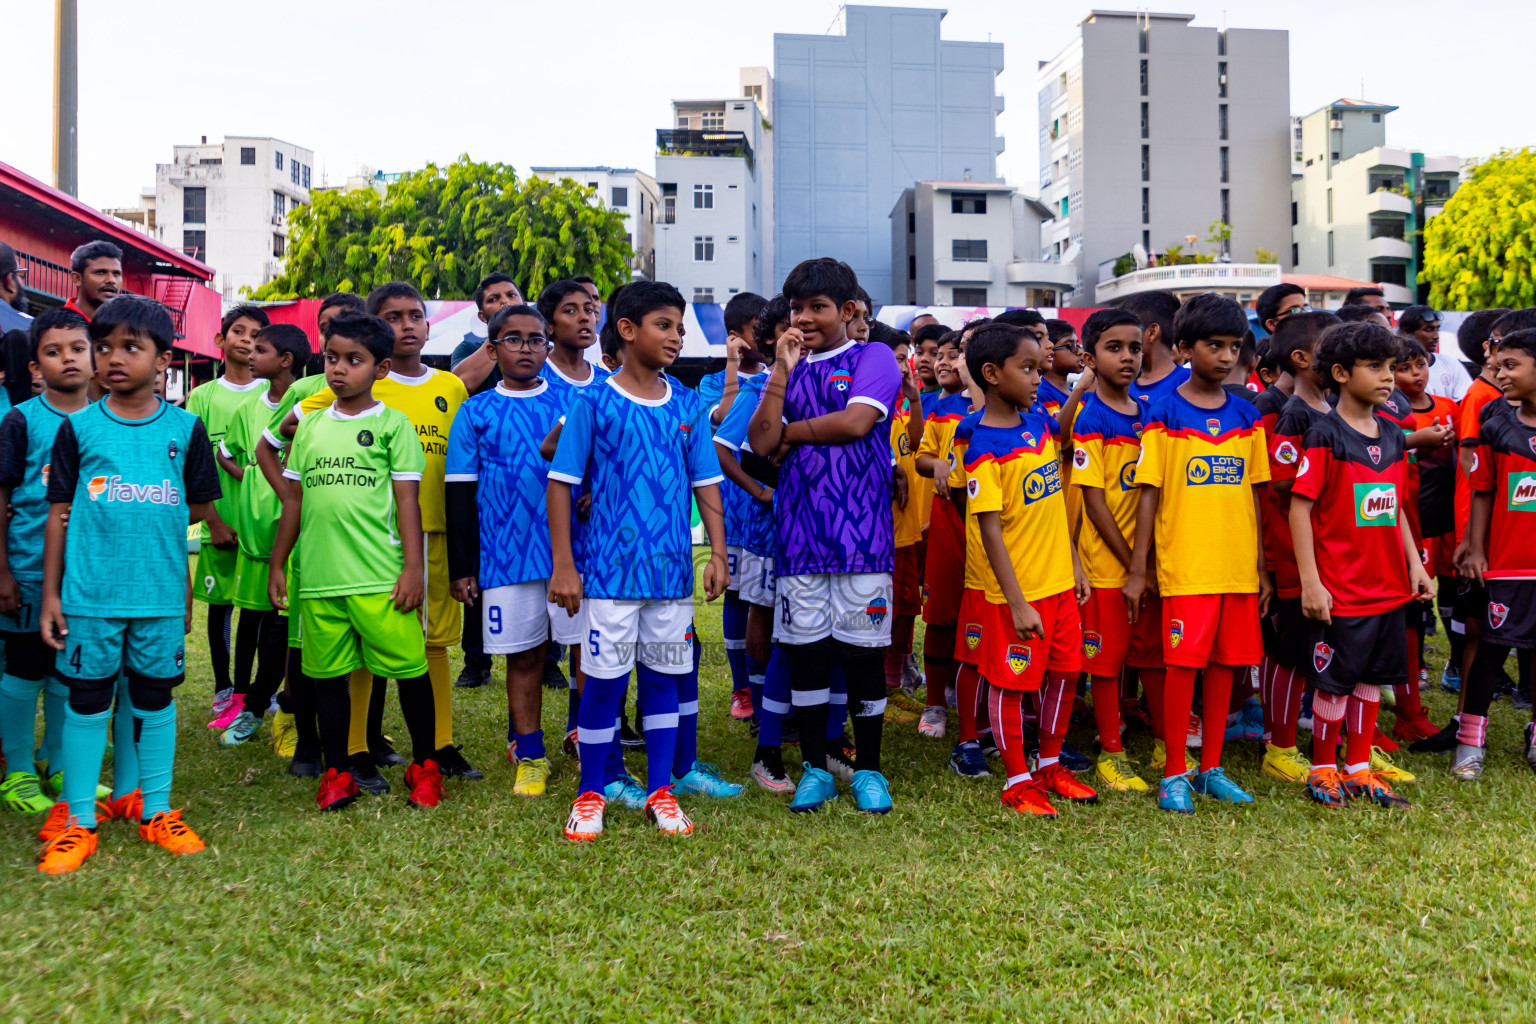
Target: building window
1143	78
1221	43
1330	206
279	157
972	249
1389	273
278	206
1225	166
1146	240
1221	119
911	268
1375	119
704	295
1437	188
1226	207
968	202
277	247
970	296
1293	215
1146	163
1377	182
1330	248
1144	132
293	171
1387	227
194	205
1146	206
1335	155
704	248
306	175
1066	207
712	120
1221	79
1142	41
703	197
1295	255
248	156
620	196
911	223
195	244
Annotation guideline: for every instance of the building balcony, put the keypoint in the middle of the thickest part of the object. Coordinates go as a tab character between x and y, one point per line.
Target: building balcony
948	270
1389	249
1042	274
1396	294
1382	201
1188	279
697	142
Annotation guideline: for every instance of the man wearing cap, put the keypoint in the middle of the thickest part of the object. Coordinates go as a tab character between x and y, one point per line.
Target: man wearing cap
12	276
1447	377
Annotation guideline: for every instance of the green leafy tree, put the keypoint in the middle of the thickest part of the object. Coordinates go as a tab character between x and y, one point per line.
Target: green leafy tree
444	228
1481	251
1263	255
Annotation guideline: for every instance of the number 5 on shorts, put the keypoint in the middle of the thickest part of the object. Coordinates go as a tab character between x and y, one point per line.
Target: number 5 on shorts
592	645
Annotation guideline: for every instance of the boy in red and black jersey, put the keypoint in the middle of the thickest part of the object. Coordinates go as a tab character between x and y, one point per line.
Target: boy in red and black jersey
1358	563
1499	549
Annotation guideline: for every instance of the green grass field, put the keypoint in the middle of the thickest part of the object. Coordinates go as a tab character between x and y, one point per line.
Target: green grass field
950	908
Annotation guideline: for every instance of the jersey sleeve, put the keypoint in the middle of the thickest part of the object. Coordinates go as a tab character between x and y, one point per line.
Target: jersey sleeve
234	444
13	449
64	463
703	464
712	389
314	403
575	447
201	473
732	432
984	487
1087	453
1481	476
957	453
463	463
1316	464
1258	455
1284	452
406	459
1152	463
876	380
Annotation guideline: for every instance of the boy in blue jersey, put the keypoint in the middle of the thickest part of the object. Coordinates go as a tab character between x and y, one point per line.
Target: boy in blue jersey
61	356
125	472
640	446
1161	373
498	535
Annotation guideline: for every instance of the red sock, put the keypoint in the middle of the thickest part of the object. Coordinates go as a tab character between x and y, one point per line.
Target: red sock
1178	696
1055	714
1285	690
1218	698
1106	711
1364	704
1004	706
1409	704
1327	716
938	663
967	689
1152	682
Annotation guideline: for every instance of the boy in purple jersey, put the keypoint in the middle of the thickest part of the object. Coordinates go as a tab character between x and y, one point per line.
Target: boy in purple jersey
820	412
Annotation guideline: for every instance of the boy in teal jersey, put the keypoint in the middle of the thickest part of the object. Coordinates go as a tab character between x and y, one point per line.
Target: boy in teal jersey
215	403
125	472
277	350
354	470
61	356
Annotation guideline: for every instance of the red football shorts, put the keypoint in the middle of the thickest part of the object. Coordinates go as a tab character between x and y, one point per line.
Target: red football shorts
1013	664
944	573
1441	551
1146	649
908	581
976	620
1205	629
1106	632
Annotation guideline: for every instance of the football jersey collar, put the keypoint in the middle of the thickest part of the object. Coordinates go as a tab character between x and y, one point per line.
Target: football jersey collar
506	392
427	374
336	414
654	403
255	383
816	357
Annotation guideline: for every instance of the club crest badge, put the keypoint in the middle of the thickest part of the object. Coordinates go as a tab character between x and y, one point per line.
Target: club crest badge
876	610
1175	632
1092	644
1286	453
1497	614
973	635
1374	451
841	379
1322	655
1214	426
1018	658
1080	458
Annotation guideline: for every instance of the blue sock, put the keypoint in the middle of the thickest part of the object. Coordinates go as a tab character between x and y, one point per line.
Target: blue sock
659	694
756	670
775	705
687	751
530	745
18	719
614	769
733	623
55	700
157	757
837	709
85	744
598	729
125	755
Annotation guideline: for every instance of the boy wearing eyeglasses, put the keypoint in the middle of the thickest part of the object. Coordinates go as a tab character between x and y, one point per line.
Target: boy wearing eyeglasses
498	529
1063	356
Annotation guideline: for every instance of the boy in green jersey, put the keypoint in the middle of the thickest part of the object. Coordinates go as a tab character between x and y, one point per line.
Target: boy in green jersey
354	470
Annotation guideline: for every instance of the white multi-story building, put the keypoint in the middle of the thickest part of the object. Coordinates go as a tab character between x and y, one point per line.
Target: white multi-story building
1151	129
1358	206
227	204
624	190
973	243
709	237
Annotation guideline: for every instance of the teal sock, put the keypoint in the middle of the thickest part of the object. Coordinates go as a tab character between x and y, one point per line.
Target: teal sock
157	757
18	717
125	756
85	744
55	700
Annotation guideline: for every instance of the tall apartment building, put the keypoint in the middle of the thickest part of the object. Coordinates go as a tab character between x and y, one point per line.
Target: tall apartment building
709	234
227	204
627	191
969	243
860	114
1152	128
1358	206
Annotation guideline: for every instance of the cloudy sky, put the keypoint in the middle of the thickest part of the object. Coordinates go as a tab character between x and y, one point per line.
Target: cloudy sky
393	84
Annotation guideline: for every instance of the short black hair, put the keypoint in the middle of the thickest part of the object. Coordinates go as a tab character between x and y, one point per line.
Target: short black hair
1356	312
822	276
97	250
608	341
741	310
391	290
139	315
641	298
60	318
1101	320
1269	357
555	292
1268	302
889	336
1343	344
863	296
1055	330
1475	329
950	338
774	312
1413	349
243	312
1523	339
1154	307
584	279
992	343
1020	318
289	340
1207	315
505	313
1297	332
1413	318
348	301
1354	295
929	332
494	277
1514	320
367	330
1248	351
